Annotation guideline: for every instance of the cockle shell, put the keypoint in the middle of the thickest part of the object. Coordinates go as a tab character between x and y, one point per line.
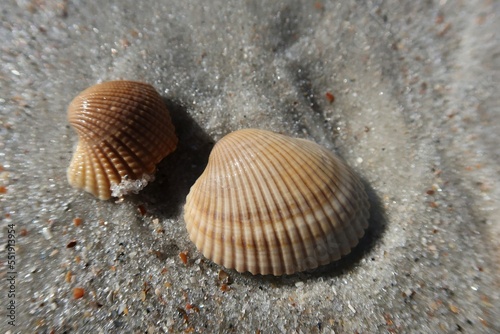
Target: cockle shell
270	204
124	130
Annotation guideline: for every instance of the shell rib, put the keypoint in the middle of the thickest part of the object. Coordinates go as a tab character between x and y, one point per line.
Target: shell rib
124	130
270	204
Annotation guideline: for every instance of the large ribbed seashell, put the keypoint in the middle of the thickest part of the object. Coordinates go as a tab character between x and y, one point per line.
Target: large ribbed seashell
124	130
270	204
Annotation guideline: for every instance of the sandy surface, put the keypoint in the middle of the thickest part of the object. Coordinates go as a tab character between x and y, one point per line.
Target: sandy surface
416	114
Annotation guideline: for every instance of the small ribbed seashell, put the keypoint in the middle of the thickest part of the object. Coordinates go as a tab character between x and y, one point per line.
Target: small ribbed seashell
124	130
270	204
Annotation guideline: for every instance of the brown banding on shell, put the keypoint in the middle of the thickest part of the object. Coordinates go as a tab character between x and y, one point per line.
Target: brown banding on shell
124	130
270	204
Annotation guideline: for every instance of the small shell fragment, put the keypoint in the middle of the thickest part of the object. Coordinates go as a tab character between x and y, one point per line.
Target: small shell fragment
270	204
124	130
78	293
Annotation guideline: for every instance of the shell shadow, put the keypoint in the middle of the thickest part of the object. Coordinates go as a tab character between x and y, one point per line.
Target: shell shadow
178	171
376	228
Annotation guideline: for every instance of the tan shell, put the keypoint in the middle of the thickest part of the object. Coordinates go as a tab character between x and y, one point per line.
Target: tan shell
124	130
270	204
